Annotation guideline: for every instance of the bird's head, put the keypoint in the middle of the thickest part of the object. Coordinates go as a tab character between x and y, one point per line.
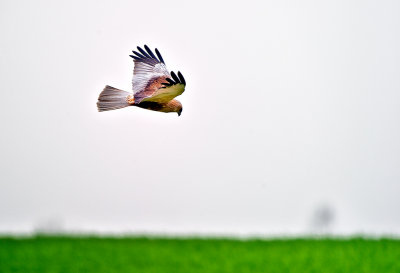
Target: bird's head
171	106
176	106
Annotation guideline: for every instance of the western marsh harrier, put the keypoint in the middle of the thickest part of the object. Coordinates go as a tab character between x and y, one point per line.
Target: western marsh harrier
154	88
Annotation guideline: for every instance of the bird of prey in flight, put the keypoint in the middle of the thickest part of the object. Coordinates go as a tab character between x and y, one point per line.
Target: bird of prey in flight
154	88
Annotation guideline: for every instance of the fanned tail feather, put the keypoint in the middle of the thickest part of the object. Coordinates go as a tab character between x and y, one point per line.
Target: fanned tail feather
111	99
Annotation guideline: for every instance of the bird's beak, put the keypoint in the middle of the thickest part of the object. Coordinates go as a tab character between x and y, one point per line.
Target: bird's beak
179	113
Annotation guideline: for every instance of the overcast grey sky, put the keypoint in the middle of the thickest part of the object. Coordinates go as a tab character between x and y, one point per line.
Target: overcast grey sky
289	106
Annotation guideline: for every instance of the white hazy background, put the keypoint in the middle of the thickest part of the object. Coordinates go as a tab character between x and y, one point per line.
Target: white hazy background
291	111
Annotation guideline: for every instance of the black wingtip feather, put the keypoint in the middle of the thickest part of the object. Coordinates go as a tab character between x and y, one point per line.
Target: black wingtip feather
176	79
181	78
159	56
138	54
136	58
143	52
170	81
149	51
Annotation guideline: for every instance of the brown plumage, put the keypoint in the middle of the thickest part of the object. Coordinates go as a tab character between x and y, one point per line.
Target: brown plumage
154	88
171	106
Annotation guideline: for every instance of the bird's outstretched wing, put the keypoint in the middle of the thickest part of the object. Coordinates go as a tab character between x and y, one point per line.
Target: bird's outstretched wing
151	79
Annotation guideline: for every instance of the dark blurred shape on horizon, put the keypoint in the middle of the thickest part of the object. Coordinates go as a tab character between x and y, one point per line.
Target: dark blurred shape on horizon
322	219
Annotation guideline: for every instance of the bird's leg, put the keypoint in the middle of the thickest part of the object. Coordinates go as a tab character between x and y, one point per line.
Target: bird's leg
130	99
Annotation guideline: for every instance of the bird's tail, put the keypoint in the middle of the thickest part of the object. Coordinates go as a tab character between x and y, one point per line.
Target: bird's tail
112	98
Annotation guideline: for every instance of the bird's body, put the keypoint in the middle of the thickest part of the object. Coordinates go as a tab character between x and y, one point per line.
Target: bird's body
171	106
154	88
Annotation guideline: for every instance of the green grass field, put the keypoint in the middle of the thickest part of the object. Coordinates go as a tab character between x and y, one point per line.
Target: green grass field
144	255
